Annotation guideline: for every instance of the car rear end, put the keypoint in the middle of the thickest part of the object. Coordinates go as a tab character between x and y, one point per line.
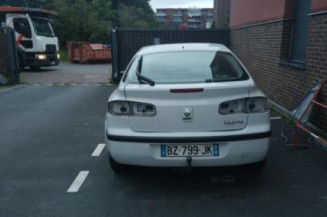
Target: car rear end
203	110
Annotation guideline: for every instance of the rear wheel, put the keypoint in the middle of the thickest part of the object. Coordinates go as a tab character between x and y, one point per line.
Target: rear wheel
21	62
116	167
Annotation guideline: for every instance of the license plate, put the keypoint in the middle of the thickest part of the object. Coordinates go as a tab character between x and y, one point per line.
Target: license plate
189	150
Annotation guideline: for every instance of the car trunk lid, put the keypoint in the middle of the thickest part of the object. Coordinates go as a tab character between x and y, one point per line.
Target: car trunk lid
185	108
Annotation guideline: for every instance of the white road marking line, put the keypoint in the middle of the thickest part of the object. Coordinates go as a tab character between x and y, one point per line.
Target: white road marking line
275	118
77	183
98	150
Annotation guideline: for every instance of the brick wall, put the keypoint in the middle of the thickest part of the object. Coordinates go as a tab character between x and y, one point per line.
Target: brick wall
261	47
317	61
317	47
221	13
4	66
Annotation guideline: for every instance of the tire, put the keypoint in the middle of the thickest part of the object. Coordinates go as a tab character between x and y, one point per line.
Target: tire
35	68
21	62
116	167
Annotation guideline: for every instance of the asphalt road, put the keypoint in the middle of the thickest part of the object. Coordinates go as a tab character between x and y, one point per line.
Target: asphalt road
47	137
67	72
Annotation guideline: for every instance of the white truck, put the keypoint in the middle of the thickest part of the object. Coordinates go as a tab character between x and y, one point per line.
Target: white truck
36	42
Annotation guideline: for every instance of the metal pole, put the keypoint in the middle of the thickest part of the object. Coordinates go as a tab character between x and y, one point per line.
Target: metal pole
13	59
115	56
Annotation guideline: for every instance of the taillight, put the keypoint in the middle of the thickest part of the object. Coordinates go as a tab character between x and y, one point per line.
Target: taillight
143	109
131	108
119	108
256	105
232	107
248	105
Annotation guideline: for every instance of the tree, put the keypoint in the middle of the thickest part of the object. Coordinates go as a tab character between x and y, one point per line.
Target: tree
136	3
78	21
90	20
134	17
133	14
103	9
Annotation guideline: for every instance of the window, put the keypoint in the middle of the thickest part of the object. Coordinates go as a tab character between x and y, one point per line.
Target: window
42	27
22	26
189	67
300	33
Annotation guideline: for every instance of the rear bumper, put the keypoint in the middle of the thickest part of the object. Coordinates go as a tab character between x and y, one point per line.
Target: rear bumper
188	139
145	151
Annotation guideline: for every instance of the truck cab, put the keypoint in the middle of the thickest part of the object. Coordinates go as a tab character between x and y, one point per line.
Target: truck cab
36	42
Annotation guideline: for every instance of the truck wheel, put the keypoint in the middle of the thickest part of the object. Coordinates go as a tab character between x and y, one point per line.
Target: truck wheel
21	62
35	68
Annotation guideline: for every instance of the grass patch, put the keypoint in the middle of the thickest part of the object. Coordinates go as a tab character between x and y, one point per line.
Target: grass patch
286	119
63	55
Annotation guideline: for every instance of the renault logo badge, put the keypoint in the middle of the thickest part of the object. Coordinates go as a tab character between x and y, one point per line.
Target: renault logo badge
187	114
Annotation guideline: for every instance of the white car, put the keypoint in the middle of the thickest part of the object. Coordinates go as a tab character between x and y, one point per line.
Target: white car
187	105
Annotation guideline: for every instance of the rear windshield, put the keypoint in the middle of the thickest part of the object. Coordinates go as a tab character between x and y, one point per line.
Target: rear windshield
188	67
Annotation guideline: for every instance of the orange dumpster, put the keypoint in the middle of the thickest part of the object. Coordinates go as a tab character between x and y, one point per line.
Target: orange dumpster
83	52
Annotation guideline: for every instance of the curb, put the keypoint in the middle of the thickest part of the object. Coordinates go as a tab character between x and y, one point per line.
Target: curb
9	88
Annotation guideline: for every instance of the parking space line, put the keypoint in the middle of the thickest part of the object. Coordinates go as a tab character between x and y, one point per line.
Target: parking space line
98	150
275	118
77	183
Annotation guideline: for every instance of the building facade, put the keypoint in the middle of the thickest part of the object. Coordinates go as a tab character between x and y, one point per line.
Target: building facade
194	18
283	43
221	13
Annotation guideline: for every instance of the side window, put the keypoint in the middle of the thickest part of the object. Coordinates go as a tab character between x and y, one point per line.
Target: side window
129	70
225	67
22	26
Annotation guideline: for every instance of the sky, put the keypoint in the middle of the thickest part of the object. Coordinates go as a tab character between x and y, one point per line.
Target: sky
181	3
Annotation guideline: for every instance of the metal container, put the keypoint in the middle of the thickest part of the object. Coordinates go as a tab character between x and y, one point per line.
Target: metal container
83	52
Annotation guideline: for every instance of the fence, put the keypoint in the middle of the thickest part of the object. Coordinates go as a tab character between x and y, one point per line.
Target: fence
126	42
9	66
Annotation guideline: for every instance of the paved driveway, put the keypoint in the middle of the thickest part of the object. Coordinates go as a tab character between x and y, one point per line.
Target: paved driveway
48	135
68	73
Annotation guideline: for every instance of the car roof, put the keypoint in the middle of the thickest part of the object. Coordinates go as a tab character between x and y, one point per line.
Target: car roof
183	47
